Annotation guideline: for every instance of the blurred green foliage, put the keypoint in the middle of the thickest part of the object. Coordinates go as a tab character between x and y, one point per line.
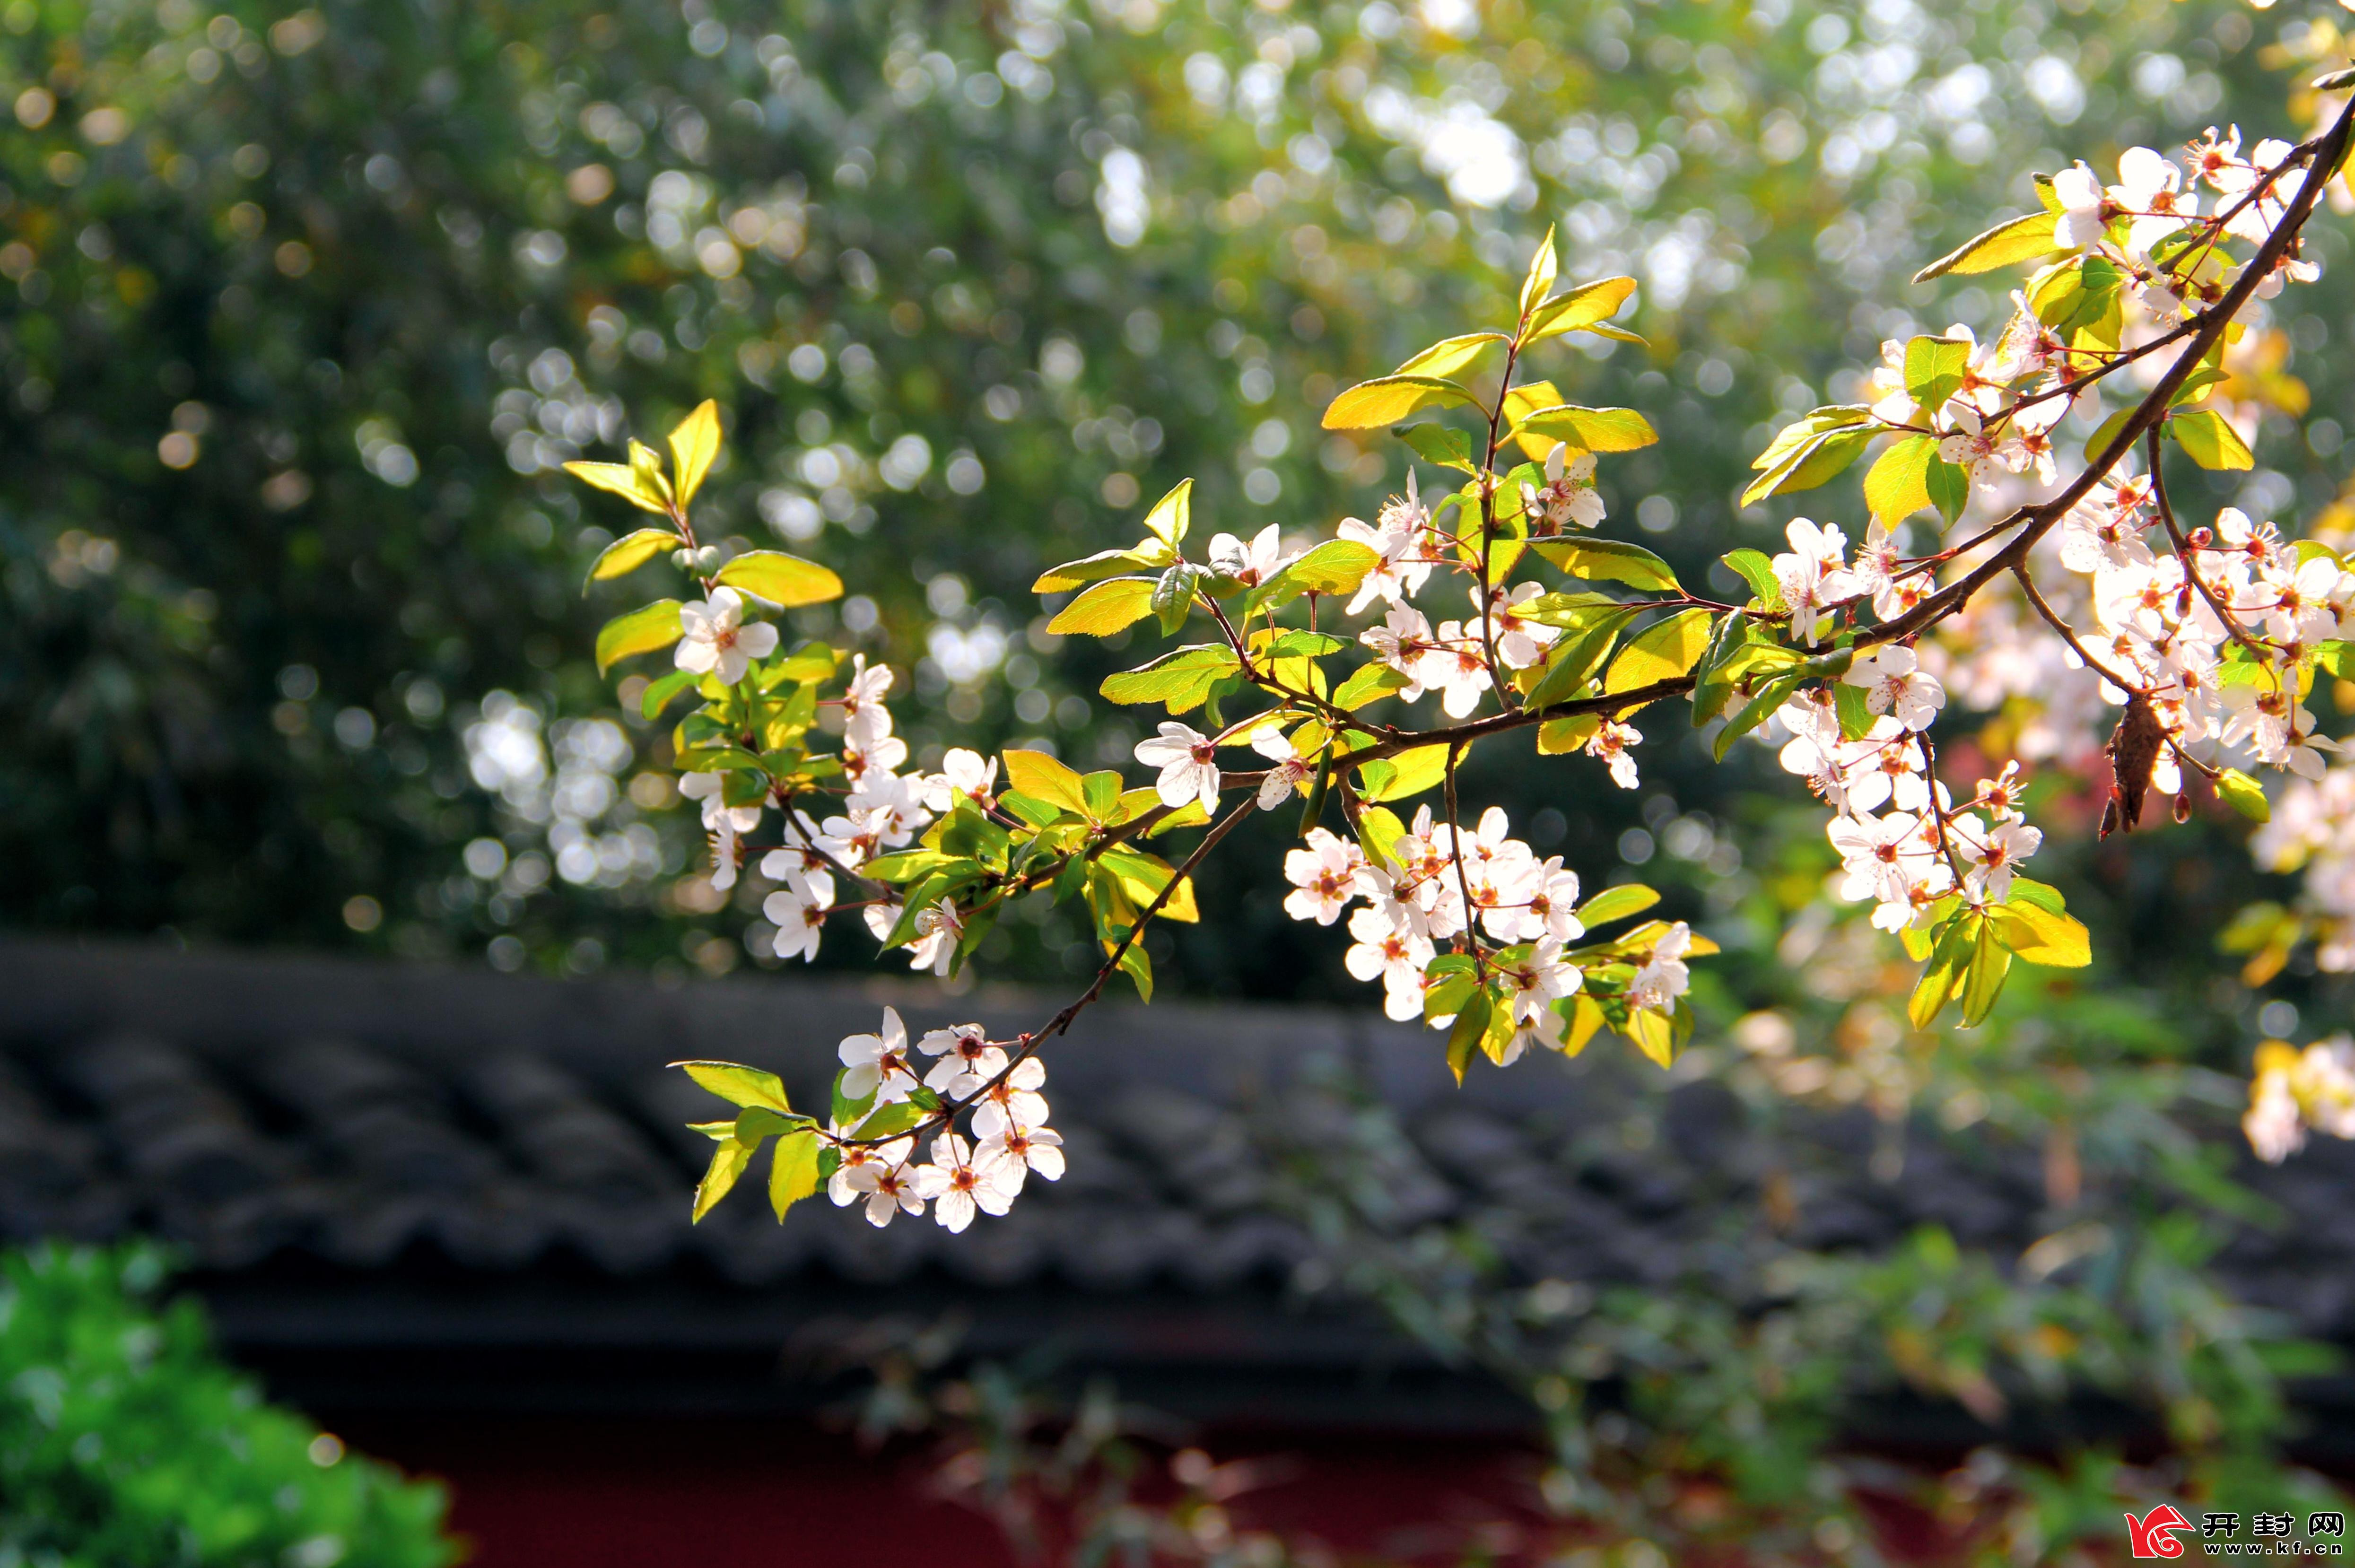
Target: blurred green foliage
299	308
125	1442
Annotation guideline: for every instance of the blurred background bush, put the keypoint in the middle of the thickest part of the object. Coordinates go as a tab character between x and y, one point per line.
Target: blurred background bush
124	1440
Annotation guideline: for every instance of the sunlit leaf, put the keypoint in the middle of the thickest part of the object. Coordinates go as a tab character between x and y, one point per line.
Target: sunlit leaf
642	631
1105	608
622	480
1369	405
783	580
693	445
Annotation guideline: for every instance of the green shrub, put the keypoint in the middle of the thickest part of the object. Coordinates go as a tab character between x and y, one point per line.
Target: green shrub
126	1442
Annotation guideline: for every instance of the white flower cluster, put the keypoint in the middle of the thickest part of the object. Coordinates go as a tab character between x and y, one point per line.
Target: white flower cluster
2294	1089
1905	859
961	1177
883	810
1434	891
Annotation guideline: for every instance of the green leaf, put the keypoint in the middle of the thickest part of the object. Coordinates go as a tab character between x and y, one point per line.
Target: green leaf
792	1171
1990	966
1933	369
1470	1026
1450	354
2209	440
728	1162
1957	941
1757	710
2044	936
1172	514
692	444
642	631
1544	267
1949	484
2244	795
739	1084
2006	244
1442	444
1336	565
630	551
1816	422
2043	895
1103	564
658	693
1897	485
1413	771
1367	683
1290	643
1756	569
1180	680
1173	595
893	1118
1106	608
1609	561
1661	651
622	480
783	580
1617	903
1815	461
1042	777
1572	661
1583	308
1852	706
1589	429
1369	405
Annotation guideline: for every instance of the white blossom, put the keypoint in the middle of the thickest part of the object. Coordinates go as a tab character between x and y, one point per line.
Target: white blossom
715	639
1188	761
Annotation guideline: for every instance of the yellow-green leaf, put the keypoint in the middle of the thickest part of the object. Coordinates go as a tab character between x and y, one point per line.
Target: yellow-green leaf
1544	267
1589	429
624	481
642	631
739	1084
1608	560
1582	309
781	578
1990	966
2043	936
1045	778
1450	354
1336	565
2244	795
1559	737
1369	405
1106	608
1092	569
728	1162
2008	243
2211	440
793	1174
1413	772
1172	514
1897	485
693	445
1662	651
630	551
1617	903
1655	1034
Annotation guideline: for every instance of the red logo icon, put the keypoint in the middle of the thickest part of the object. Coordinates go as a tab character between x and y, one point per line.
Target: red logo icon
2150	1536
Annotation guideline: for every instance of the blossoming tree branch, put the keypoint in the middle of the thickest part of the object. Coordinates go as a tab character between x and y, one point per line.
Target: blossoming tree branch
1296	681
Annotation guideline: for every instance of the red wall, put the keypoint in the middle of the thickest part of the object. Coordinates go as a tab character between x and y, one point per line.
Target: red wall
540	1492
